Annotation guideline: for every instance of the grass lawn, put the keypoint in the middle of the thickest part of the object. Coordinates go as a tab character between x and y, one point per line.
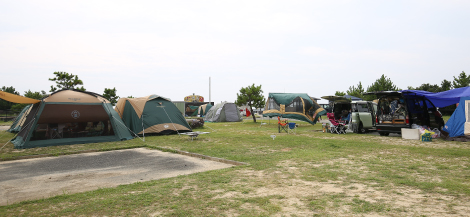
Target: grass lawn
307	174
5	123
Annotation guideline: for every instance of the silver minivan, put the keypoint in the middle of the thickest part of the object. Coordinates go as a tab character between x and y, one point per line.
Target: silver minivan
362	113
363	116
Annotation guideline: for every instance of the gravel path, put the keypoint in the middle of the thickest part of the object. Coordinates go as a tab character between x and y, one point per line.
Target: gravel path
4	128
46	177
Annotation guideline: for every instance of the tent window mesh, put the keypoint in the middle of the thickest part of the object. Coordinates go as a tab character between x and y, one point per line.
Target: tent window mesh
295	106
72	130
312	108
272	105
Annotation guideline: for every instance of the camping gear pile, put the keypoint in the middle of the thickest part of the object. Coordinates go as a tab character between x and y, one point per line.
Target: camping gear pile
196	123
426	134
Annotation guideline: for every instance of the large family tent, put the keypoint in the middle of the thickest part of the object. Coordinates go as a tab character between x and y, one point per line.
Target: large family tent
19	120
71	117
151	114
203	109
223	112
299	106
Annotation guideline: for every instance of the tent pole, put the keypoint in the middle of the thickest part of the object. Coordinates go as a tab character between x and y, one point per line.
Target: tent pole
18	133
171	121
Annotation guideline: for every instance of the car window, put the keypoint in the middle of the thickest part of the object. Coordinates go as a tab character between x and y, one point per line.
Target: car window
416	105
390	109
354	108
362	108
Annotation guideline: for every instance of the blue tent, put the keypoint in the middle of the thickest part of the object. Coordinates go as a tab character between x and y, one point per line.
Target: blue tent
353	98
441	99
455	126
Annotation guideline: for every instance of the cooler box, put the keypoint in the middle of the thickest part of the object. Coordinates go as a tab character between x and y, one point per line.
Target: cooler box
410	134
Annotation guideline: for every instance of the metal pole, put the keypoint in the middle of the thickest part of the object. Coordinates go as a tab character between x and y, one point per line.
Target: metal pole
210	90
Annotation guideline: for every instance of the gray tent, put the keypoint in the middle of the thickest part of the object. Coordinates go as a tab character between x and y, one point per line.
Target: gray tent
223	112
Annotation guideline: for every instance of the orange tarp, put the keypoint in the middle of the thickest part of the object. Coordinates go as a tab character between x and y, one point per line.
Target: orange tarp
17	99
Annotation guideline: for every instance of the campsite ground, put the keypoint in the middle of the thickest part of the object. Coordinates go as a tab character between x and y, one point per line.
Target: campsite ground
307	173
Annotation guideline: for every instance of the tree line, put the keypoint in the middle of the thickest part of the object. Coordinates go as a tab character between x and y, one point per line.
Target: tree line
63	80
385	84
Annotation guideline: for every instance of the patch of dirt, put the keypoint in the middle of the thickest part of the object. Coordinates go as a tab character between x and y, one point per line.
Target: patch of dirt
436	143
297	195
4	128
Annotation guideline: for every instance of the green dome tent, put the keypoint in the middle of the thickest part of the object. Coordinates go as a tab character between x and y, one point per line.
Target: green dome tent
203	109
200	110
299	106
151	114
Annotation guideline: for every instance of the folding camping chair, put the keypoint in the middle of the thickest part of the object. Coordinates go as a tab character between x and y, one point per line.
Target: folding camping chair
282	124
336	126
292	127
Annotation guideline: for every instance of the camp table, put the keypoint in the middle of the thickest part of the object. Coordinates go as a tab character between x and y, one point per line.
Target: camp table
193	135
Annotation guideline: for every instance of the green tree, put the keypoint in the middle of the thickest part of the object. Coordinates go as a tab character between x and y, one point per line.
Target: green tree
251	96
462	81
110	94
65	80
446	85
356	91
35	95
429	87
5	105
381	84
339	93
29	94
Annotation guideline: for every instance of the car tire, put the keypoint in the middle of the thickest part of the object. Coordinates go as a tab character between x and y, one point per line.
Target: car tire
361	129
354	128
441	126
383	134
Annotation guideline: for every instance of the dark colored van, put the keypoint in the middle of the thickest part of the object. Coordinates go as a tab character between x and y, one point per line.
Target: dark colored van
395	111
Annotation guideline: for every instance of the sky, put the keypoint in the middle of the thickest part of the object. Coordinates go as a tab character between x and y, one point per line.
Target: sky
172	48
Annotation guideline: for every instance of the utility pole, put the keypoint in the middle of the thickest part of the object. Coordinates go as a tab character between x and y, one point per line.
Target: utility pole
210	89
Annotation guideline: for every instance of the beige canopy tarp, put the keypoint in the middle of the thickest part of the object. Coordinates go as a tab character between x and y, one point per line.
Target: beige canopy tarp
72	96
17	99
